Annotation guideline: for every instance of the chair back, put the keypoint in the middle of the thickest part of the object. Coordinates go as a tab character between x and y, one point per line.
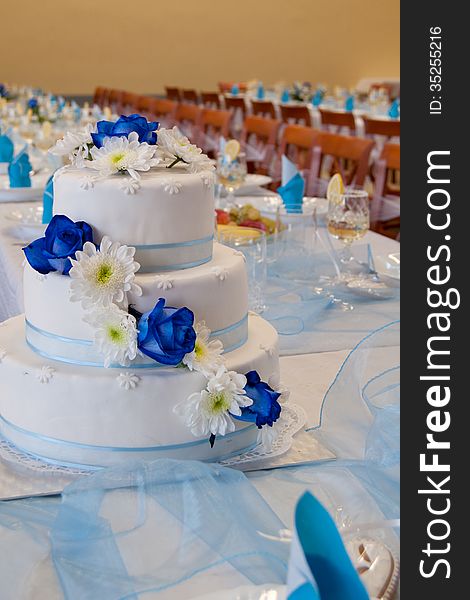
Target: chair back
173	93
115	99
258	138
385	207
214	124
263	108
210	99
129	102
188	118
296	114
190	96
163	110
389	128
346	154
337	119
225	87
98	96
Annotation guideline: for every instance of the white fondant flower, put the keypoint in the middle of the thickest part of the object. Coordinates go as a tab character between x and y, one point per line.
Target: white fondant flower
120	154
128	381
268	349
87	182
45	374
41	277
220	273
102	277
209	411
3	352
130	185
73	142
275	383
171	187
115	335
164	283
207	177
207	354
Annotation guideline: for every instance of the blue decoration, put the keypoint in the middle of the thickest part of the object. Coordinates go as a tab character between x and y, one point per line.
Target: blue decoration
48	200
33	103
166	334
235	89
124	126
285	96
19	170
292	194
260	92
394	112
317	98
6	149
3	91
349	104
62	239
265	409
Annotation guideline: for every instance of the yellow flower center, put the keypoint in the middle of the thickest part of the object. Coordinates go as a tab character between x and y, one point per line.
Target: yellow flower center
199	350
116	334
104	274
218	402
116	158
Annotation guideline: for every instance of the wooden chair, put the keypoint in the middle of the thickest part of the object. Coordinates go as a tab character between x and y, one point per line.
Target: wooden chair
237	106
263	108
342	154
385	203
190	96
210	99
98	96
105	97
296	114
225	87
115	100
188	119
384	127
144	106
213	124
297	142
258	139
173	93
337	119
163	110
383	86
129	102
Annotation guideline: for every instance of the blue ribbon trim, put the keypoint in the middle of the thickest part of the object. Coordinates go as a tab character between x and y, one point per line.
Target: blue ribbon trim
209	238
230	327
176	267
54	336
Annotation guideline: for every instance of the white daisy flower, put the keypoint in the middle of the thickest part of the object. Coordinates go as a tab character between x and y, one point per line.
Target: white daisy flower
171	187
73	141
275	383
115	335
203	164
45	374
220	273
120	154
209	411
207	354
128	381
130	185
164	283
174	145
102	277
3	352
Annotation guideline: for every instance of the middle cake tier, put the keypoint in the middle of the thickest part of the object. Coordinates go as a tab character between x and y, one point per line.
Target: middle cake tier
216	292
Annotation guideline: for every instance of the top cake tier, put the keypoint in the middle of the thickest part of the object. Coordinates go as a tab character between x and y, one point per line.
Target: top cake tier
169	219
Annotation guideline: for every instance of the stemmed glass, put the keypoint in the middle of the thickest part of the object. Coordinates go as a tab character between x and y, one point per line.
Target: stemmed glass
348	220
231	172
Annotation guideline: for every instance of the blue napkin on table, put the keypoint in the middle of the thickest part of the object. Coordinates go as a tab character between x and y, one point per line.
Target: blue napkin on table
48	200
235	90
292	188
260	92
319	566
349	104
394	111
317	98
19	169
285	96
6	149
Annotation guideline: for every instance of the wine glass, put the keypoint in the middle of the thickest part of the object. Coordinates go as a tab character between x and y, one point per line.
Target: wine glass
348	220
231	172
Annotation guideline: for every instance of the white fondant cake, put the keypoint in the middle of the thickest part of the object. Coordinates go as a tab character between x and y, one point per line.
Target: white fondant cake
115	360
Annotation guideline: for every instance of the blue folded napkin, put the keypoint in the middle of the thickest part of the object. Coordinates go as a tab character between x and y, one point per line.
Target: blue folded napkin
292	188
349	104
48	200
235	90
6	149
394	111
260	92
317	98
319	566
19	169
285	96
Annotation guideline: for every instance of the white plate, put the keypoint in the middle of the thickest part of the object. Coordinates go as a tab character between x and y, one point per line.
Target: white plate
388	266
248	592
268	205
30	216
253	181
35	192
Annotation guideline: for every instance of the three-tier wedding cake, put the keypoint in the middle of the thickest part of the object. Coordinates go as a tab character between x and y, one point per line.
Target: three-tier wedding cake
136	340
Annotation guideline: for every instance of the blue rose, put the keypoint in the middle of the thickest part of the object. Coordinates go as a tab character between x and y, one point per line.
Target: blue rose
166	334
61	240
265	409
33	103
3	91
123	127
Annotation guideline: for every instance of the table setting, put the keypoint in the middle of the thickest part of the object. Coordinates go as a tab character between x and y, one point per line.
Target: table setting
313	511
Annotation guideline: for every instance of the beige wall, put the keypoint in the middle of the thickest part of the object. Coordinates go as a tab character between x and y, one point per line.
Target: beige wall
70	46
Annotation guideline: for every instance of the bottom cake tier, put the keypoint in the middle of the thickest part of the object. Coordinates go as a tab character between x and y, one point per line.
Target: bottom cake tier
93	417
